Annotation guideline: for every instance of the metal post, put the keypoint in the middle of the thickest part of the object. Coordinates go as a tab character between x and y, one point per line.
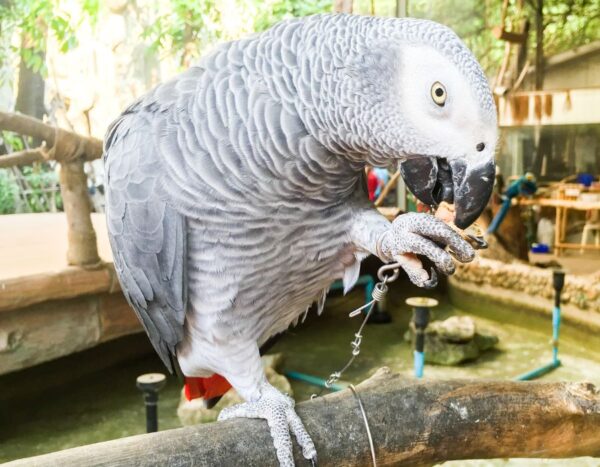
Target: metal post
421	311
558	282
150	384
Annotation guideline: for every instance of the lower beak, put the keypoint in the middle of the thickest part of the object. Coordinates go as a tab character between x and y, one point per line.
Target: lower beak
466	185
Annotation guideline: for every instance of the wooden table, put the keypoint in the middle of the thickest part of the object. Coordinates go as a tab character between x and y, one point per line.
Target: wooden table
562	207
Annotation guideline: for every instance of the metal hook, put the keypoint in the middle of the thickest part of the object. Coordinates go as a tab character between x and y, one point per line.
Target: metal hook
389	267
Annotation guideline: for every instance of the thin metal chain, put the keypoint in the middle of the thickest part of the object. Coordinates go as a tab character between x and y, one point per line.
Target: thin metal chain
379	292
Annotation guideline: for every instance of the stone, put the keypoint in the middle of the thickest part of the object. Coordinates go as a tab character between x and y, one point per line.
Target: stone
194	412
455	329
453	341
485	340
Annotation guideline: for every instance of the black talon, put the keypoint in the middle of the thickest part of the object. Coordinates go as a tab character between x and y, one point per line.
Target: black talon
453	254
432	281
477	242
313	461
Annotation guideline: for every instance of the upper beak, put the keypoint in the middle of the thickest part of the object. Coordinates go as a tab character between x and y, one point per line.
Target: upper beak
467	185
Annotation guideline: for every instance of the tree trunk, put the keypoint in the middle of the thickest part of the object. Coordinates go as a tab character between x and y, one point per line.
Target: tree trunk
539	45
539	84
342	6
401	8
83	249
412	423
30	91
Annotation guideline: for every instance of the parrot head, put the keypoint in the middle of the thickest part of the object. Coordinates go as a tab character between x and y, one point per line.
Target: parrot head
419	97
452	112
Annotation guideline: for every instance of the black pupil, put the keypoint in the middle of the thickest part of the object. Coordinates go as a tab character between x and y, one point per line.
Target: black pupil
439	92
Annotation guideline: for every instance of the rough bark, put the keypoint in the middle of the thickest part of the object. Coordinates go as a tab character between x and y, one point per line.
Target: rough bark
61	145
411	423
83	249
25	157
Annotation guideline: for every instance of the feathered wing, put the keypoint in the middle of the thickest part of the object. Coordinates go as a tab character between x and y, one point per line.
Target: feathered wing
148	237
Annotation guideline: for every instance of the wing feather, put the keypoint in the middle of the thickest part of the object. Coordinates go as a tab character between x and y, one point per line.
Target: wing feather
147	235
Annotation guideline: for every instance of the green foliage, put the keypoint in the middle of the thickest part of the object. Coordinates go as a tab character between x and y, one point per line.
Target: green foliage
186	29
271	13
34	20
11	140
472	21
8	193
569	24
41	180
41	195
190	26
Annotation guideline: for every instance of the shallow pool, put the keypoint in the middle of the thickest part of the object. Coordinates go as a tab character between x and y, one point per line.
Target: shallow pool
107	405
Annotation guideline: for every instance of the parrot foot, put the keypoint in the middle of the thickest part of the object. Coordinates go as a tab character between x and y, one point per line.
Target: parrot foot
415	234
278	410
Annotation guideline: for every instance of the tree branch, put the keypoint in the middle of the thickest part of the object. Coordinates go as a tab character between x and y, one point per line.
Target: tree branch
63	145
25	157
412	423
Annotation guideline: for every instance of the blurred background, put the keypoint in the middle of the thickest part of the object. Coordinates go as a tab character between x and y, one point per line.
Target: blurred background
70	347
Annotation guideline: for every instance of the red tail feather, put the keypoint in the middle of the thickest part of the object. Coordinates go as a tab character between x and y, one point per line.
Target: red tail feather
207	388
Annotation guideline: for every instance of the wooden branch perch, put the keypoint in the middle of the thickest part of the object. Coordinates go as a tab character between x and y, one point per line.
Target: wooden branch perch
25	157
63	145
411	423
71	150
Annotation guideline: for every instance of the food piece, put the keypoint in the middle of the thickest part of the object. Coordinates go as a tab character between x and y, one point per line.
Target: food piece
472	234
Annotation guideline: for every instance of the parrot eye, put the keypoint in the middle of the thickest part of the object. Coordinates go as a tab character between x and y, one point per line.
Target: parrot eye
438	93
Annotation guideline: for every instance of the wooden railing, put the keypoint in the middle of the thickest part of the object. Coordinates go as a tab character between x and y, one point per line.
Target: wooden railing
70	150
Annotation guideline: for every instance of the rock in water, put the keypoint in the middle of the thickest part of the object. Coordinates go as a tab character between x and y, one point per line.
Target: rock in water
453	341
194	412
457	329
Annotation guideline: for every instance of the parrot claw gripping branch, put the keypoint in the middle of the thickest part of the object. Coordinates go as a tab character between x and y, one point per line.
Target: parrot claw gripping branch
245	174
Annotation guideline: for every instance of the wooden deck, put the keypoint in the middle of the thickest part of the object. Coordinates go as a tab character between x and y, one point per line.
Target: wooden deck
24	240
49	309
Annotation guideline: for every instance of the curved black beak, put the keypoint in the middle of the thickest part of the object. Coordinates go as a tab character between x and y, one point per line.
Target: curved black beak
467	185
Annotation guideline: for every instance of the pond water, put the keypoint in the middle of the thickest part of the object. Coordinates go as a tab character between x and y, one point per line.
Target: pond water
106	404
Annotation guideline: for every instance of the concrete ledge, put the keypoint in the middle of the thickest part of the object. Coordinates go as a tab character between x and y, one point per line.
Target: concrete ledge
580	291
467	295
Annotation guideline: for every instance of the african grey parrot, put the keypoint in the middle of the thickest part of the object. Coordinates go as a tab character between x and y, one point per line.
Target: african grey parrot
235	193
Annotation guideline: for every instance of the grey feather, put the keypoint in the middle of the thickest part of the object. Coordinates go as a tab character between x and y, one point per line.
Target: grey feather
148	236
231	188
